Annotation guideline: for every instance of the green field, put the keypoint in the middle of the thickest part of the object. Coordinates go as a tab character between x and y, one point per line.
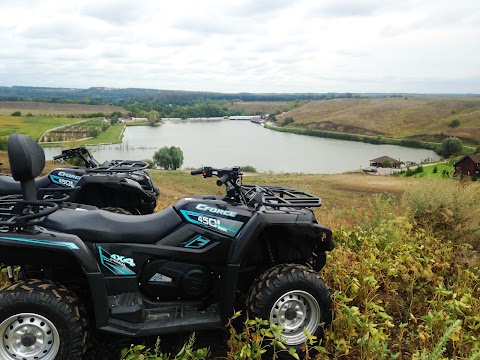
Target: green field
442	171
32	126
112	135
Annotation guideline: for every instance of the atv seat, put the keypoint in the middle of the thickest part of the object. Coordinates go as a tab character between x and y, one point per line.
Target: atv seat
9	186
101	226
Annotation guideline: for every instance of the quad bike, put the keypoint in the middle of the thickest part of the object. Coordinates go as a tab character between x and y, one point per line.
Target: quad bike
182	269
116	184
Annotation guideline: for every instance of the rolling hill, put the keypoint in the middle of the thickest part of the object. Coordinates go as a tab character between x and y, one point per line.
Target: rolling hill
424	119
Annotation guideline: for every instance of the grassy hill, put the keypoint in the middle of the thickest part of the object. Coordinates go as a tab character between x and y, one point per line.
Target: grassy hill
424	119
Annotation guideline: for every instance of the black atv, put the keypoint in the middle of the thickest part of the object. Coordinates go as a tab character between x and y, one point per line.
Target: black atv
116	184
185	268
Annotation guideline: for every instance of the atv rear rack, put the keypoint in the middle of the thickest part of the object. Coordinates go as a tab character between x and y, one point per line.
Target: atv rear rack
112	166
16	213
279	197
121	166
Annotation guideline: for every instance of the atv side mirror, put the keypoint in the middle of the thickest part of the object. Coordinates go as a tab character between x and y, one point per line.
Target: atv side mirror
27	161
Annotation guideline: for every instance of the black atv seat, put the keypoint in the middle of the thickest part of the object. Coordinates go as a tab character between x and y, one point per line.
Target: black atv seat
101	226
9	186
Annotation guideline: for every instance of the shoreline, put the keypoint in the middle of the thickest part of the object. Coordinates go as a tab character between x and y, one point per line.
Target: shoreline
375	140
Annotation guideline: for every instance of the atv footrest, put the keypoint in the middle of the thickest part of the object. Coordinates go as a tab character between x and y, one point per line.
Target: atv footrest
127	306
168	319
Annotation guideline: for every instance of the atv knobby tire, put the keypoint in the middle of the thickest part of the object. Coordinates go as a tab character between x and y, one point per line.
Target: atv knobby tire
292	296
117	210
41	320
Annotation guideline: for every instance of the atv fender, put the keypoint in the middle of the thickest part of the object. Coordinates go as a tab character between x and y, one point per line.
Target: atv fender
53	248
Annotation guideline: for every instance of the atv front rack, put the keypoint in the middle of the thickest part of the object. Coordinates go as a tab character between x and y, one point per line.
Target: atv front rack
279	197
16	213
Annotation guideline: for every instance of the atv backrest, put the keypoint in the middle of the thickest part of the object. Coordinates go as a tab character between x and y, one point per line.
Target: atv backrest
27	161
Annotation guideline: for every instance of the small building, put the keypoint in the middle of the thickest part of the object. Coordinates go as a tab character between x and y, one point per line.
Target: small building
469	165
380	162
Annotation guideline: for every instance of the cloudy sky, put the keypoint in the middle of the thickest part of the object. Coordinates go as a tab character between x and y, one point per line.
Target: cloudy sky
243	45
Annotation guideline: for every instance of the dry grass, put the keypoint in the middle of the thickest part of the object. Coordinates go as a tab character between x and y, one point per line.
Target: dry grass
345	197
394	117
37	108
265	107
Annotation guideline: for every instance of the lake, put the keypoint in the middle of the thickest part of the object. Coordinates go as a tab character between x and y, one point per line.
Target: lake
226	143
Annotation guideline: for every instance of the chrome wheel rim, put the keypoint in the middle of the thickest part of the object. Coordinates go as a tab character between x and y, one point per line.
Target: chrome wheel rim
295	311
28	336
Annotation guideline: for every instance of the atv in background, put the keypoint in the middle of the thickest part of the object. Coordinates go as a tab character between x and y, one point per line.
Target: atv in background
185	268
117	184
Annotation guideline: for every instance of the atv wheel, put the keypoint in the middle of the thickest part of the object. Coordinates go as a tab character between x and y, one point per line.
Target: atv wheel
117	210
294	297
40	320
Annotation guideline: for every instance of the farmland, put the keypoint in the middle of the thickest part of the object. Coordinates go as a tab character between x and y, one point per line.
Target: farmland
33	126
54	109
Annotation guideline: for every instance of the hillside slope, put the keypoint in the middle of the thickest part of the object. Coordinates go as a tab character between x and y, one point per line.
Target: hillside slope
421	118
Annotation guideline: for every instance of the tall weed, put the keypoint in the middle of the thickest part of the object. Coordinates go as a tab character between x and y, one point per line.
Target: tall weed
450	209
397	288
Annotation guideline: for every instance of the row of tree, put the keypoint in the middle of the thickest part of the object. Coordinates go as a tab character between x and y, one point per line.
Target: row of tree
102	95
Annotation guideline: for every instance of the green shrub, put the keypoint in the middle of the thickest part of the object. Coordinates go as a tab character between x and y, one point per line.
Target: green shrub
248	168
450	146
187	352
454	123
397	288
16	113
169	158
288	120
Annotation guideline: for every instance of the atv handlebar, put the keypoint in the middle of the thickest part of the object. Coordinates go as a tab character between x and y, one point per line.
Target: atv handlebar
223	179
225	175
80	152
254	195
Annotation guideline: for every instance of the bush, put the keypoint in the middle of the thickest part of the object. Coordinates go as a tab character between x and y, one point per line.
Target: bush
448	208
435	169
16	113
169	158
397	289
387	164
248	168
187	352
149	162
288	120
454	123
450	146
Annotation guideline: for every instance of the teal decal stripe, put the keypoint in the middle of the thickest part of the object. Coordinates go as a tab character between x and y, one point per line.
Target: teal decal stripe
221	226
67	181
197	243
116	267
68	245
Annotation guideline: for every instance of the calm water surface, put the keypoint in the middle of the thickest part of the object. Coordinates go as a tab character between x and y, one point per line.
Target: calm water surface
222	143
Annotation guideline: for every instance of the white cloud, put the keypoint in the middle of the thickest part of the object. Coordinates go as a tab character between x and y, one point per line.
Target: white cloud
247	45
